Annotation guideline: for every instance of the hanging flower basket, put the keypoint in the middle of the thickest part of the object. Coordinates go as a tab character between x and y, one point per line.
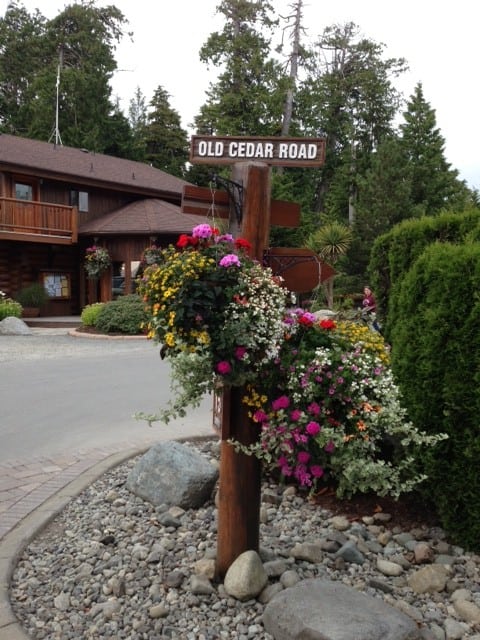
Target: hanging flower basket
217	312
97	261
151	255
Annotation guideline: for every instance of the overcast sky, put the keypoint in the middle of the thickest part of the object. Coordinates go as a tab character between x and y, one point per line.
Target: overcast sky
439	41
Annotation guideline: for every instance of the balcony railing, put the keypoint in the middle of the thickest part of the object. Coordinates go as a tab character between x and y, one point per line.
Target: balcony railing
31	221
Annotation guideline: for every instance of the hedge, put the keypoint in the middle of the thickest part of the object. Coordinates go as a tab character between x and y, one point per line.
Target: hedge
436	361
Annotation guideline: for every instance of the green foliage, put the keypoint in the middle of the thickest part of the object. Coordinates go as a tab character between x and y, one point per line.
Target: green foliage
436	359
34	295
89	315
9	308
79	42
21	58
330	409
394	252
124	315
247	98
432	181
166	143
214	308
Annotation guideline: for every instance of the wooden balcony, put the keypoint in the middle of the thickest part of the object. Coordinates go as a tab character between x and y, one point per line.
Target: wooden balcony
29	221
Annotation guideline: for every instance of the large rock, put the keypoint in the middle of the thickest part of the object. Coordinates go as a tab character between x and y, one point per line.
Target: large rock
173	474
246	576
12	326
318	609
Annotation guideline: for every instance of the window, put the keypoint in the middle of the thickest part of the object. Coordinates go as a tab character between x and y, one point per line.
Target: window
79	199
23	191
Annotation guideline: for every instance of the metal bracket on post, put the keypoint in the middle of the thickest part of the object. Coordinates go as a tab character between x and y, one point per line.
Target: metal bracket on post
235	193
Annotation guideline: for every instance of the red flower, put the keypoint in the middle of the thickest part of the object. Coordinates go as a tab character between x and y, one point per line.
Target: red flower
306	320
327	324
241	243
183	241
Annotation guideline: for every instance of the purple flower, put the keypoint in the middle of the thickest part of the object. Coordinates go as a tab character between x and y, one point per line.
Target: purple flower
226	237
202	231
230	260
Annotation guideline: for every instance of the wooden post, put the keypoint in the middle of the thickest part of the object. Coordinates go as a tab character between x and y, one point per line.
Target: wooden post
240	475
239	492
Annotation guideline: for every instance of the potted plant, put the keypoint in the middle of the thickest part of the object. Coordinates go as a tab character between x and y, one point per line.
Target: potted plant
32	298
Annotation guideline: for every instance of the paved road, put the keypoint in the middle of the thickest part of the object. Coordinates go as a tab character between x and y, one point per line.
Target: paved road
60	393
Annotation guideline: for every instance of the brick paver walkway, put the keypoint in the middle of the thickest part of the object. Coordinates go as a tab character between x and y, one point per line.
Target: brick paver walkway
26	485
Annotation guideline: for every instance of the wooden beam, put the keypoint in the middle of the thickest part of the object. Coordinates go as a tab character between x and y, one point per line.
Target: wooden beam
203	201
240	475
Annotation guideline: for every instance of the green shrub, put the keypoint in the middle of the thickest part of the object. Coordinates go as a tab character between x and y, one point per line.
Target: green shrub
394	252
9	308
34	295
90	314
125	315
436	360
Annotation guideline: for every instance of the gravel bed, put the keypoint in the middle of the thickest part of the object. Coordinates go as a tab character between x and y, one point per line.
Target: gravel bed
111	566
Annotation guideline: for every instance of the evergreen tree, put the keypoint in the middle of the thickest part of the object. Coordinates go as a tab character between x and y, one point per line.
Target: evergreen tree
137	116
22	56
167	145
118	135
384	199
433	182
247	99
348	96
72	52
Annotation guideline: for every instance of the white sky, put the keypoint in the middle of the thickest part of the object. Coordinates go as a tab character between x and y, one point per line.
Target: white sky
439	41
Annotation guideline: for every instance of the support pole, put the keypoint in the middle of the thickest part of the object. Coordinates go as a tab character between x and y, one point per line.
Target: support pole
240	475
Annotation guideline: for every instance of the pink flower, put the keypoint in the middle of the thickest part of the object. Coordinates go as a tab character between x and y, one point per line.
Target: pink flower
240	352
224	367
226	237
280	403
295	415
329	447
303	457
307	319
260	416
202	231
313	409
316	471
286	470
230	260
312	428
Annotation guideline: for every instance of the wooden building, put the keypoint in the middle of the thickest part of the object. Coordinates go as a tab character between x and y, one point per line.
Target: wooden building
56	201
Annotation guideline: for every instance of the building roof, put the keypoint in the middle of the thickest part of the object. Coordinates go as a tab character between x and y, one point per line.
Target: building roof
48	160
146	217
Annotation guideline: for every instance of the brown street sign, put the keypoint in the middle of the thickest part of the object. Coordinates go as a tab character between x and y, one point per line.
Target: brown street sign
285	152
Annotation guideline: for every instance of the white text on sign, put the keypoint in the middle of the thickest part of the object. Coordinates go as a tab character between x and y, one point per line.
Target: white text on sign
280	151
255	150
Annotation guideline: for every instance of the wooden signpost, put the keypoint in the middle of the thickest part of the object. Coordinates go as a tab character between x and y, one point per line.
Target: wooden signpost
240	475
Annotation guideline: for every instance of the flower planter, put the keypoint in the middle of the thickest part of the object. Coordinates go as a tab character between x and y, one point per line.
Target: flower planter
30	312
